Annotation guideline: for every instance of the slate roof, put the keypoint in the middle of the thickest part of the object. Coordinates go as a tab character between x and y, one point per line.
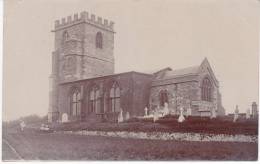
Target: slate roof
181	72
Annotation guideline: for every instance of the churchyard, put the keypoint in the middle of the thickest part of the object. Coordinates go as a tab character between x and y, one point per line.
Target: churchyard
223	125
111	141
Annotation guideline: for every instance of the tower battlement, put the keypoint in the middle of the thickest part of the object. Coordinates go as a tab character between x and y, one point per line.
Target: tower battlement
84	17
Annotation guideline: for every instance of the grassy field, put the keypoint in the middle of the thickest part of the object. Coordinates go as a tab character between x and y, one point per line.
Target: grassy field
37	146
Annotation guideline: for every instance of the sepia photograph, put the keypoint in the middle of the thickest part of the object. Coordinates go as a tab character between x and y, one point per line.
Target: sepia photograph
132	80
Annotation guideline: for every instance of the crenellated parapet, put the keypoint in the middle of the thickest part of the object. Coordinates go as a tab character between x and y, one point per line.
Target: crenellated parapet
84	17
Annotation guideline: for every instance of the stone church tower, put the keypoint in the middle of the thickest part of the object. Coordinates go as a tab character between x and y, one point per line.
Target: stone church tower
84	48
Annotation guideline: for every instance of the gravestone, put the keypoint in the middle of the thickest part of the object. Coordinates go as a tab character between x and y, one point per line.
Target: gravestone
127	116
155	114
236	114
145	111
181	117
213	114
22	125
248	114
120	116
254	110
189	111
165	109
64	118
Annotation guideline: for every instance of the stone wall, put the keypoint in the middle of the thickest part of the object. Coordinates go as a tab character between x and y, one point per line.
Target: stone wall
98	62
207	107
141	91
154	100
126	81
185	92
179	95
76	57
175	136
81	44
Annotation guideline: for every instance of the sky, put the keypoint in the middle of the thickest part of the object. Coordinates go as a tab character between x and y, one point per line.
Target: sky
150	35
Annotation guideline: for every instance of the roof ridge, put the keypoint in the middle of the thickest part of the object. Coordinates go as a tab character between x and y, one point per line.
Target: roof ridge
186	67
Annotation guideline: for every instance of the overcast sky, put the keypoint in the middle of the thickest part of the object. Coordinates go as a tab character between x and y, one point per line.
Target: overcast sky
150	35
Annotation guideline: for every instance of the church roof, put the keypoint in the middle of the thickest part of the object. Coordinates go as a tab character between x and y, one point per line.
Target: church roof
181	72
168	75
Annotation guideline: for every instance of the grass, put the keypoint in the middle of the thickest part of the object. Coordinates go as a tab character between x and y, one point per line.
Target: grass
8	154
169	124
75	147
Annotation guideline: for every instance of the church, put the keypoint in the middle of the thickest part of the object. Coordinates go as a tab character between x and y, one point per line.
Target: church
84	87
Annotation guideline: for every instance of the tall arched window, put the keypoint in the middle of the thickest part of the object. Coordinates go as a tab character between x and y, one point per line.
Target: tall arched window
206	90
115	98
163	97
75	103
95	100
99	40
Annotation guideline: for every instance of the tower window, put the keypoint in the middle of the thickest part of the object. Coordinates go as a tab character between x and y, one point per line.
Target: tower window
99	40
206	90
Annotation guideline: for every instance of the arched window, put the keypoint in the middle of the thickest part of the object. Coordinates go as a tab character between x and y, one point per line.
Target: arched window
206	90
99	40
75	103
115	98
163	97
95	100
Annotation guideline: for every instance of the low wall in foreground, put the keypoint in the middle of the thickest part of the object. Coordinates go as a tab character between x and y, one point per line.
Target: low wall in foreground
175	136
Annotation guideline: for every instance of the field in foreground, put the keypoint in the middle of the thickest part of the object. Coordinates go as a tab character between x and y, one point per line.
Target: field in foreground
36	146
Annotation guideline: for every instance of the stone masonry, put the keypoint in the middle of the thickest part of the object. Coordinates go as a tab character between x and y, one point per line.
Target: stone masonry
83	57
75	56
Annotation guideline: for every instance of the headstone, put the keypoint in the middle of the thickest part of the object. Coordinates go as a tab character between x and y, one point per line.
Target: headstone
165	109
22	125
64	118
189	111
127	116
254	110
213	114
120	116
145	111
248	114
181	117
236	114
155	115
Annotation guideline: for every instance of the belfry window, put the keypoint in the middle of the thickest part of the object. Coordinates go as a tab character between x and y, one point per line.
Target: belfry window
95	100
99	40
75	103
115	98
206	90
163	97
